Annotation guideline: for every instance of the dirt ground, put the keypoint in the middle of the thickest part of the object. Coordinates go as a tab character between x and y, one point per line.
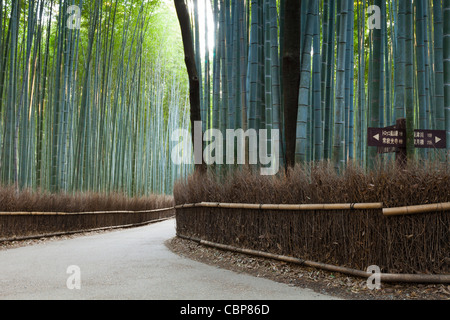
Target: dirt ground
321	281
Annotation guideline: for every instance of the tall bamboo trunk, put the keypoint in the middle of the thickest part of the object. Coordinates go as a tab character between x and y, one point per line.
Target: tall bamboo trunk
338	155
375	86
291	75
446	9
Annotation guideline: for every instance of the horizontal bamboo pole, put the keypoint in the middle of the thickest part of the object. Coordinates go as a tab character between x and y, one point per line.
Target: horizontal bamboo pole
26	213
65	233
386	277
435	207
298	207
187	205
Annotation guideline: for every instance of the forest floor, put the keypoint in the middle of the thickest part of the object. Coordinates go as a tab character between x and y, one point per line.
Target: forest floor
330	283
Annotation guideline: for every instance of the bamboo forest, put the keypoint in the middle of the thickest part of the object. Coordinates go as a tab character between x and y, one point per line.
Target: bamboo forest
91	91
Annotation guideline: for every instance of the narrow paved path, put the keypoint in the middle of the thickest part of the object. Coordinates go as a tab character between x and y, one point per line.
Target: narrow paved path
127	264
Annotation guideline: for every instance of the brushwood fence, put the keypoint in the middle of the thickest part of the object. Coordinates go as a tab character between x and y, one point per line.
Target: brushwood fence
24	225
349	235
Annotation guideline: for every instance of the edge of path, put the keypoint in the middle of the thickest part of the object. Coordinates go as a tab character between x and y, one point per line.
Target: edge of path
324	282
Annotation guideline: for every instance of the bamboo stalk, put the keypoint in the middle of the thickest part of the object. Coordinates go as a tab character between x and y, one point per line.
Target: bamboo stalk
446	49
338	148
303	110
445	206
375	90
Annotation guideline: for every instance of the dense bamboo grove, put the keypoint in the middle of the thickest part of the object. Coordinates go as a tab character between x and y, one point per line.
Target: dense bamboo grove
362	64
90	104
87	109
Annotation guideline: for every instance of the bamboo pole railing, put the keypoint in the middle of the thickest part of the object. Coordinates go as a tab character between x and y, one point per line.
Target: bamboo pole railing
38	213
384	277
294	207
387	277
42	234
445	206
65	233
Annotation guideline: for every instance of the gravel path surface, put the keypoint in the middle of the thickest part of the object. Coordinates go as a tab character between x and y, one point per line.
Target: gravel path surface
14	285
131	263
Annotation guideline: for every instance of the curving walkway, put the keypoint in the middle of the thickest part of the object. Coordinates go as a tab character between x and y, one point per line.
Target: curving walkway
128	264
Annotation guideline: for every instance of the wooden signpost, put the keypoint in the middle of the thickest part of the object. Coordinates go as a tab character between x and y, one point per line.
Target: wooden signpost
393	139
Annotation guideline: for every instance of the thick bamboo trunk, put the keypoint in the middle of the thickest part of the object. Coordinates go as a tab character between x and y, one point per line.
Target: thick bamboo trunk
291	75
194	82
446	10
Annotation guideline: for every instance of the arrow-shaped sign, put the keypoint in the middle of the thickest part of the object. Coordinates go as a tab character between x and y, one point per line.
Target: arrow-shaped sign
392	137
430	139
386	137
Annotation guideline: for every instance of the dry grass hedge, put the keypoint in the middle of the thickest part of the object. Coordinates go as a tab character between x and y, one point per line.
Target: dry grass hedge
33	201
320	183
27	225
358	238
